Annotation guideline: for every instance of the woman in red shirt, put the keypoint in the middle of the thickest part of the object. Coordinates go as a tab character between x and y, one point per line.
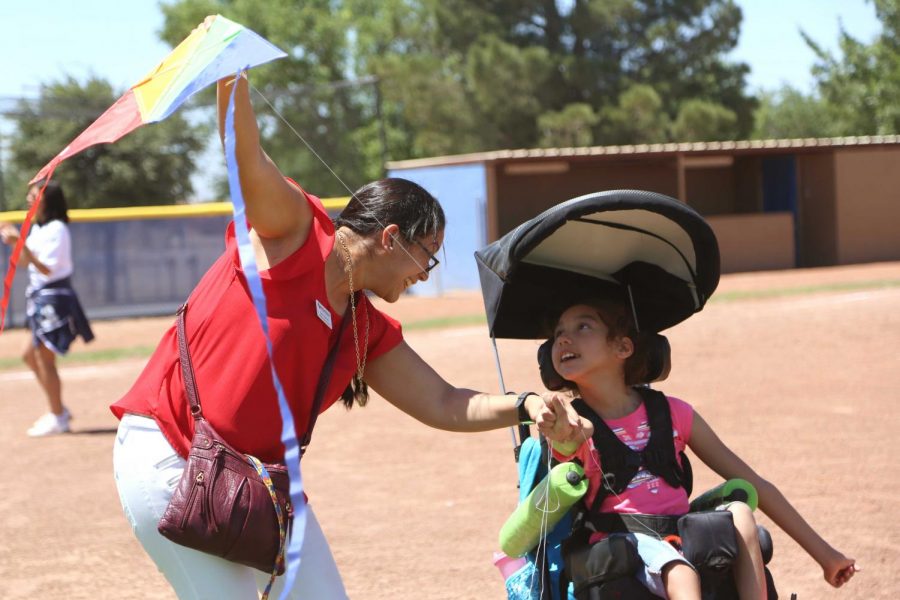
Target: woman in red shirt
384	241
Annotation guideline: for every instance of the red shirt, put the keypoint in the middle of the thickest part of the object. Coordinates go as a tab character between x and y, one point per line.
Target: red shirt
231	365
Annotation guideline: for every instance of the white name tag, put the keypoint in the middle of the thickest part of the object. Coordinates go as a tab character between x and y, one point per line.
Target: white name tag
323	313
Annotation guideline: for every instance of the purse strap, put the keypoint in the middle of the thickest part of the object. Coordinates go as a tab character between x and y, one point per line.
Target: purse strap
190	384
325	378
187	366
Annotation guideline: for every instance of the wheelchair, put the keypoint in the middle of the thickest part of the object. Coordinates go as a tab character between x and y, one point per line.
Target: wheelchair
662	256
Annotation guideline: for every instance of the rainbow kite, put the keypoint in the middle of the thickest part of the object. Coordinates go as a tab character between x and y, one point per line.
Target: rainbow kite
206	56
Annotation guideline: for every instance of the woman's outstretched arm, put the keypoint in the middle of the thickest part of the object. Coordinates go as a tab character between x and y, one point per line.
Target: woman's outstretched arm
409	383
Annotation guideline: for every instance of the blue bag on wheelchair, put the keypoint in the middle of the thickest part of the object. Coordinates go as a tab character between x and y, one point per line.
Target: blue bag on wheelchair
540	578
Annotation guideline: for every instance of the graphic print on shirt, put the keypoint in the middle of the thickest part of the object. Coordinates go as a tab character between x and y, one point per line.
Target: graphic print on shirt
637	440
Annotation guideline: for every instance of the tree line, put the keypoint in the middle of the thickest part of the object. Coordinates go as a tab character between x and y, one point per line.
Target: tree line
374	80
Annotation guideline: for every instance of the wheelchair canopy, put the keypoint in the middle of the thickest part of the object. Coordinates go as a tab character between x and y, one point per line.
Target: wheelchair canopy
657	251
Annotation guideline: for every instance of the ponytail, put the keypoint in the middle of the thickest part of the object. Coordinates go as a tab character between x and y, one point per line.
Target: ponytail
357	392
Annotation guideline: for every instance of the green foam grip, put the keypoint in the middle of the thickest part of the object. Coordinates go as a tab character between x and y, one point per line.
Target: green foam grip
733	490
542	509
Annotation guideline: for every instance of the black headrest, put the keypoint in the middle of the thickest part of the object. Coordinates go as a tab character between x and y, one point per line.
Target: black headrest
659	361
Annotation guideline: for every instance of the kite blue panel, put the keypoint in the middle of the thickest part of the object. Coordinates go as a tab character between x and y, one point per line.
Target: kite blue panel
462	192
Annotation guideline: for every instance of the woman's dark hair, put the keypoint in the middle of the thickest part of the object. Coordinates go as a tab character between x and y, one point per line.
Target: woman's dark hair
53	205
399	201
615	312
379	204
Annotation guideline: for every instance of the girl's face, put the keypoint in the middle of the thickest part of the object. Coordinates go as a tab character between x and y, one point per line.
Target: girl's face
581	347
32	195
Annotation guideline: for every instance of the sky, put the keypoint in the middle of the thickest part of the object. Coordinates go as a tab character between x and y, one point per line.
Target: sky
117	40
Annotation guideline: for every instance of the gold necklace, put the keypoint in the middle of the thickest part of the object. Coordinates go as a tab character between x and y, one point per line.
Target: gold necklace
360	362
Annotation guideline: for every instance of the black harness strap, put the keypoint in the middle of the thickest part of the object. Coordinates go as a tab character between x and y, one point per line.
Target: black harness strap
635	523
620	463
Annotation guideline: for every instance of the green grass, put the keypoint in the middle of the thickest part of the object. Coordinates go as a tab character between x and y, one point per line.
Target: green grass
88	356
114	354
879	284
10	363
446	322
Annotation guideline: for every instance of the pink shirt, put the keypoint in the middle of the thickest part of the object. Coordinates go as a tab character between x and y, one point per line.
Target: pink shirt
647	493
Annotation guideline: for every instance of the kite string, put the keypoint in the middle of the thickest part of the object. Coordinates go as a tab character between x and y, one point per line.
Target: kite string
592	456
327	166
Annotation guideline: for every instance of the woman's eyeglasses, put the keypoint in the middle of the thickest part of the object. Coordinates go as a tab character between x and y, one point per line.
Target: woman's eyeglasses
432	259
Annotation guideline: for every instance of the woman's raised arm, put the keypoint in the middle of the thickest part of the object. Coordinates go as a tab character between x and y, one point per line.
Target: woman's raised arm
276	208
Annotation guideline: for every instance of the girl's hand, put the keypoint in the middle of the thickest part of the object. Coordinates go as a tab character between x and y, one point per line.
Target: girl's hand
9	235
839	570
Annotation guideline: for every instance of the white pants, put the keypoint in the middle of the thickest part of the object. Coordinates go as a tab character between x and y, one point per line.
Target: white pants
147	470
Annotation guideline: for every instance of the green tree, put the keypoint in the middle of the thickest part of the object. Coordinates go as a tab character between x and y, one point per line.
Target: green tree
862	84
788	113
570	127
638	118
152	165
504	83
703	121
432	77
601	48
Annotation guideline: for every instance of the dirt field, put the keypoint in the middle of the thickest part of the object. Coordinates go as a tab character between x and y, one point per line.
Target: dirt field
803	386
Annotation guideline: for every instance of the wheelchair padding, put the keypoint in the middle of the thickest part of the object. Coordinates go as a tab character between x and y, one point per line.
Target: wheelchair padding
659	362
605	569
659	357
708	541
765	543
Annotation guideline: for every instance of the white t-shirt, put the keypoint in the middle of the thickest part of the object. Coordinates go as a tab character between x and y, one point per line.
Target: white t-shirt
51	245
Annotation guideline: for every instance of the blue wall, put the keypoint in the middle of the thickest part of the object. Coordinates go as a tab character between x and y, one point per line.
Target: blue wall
133	267
143	267
462	192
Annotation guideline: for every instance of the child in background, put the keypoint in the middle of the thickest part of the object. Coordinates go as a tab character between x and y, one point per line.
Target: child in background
54	313
597	349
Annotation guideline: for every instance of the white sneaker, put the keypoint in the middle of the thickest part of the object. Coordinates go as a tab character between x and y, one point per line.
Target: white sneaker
51	424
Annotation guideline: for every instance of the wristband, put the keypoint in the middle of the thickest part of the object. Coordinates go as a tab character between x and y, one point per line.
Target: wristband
521	411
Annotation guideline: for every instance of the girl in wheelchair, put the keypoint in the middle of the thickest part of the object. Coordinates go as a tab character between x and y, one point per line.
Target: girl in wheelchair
639	479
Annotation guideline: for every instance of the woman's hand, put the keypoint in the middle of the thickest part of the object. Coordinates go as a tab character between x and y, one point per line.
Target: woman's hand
839	569
206	24
561	424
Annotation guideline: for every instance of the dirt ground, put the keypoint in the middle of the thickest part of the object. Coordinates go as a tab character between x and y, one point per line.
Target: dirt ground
802	386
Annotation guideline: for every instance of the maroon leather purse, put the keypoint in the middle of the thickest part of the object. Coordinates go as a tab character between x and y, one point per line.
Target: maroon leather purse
223	504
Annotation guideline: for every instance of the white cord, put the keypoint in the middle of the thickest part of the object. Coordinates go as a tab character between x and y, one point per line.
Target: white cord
604	484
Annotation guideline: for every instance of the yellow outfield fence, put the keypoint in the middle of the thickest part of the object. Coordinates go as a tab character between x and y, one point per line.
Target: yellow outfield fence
174	211
138	260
